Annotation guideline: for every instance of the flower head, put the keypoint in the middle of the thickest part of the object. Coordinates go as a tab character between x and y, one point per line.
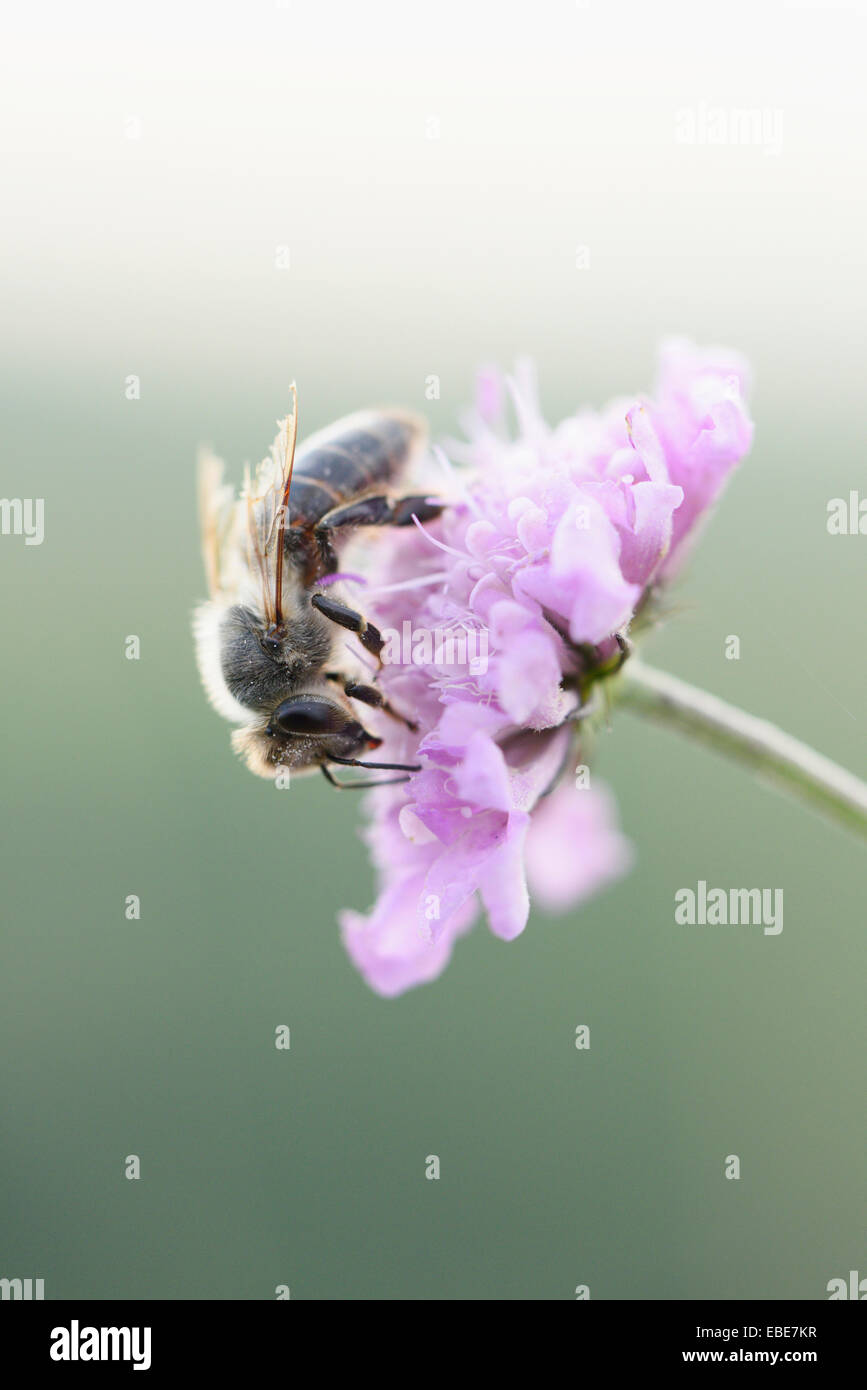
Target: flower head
501	617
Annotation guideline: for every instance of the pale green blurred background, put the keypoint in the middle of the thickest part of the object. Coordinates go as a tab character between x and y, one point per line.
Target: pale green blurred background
268	125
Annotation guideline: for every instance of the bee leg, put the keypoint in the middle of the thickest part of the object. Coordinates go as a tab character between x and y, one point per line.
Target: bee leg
405	508
369	695
360	786
369	636
379	511
383	767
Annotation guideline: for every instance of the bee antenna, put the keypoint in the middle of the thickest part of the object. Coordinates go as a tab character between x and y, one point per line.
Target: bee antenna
291	436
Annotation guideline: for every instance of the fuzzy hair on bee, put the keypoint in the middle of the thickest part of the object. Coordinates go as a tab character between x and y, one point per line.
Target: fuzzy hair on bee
271	638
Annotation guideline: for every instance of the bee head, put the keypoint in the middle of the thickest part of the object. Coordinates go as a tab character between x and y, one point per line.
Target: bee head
260	663
303	732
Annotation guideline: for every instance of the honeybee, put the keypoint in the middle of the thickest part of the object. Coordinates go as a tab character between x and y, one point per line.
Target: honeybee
267	638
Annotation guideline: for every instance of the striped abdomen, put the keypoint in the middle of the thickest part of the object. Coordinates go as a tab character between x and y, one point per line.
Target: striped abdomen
358	457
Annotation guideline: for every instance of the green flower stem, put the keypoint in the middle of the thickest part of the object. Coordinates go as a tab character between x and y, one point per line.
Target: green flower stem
753	742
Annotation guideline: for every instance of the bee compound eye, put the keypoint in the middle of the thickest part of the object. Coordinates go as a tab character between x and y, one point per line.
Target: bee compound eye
303	715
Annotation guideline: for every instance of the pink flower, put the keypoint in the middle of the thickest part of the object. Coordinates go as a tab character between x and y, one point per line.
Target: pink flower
500	619
574	846
702	427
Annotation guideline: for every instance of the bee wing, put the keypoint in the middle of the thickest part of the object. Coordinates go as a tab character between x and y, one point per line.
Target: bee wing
265	497
216	512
